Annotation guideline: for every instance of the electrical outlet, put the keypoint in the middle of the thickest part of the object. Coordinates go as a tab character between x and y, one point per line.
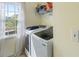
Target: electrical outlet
75	35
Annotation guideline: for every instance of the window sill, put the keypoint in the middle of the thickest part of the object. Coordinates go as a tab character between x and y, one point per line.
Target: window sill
8	36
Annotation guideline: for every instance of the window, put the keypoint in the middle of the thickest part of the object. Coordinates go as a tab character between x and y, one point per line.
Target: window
10	13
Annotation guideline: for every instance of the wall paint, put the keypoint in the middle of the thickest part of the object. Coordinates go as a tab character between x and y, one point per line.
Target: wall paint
8	47
65	19
31	17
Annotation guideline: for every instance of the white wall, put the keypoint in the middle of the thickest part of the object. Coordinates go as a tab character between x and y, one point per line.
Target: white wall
31	17
65	20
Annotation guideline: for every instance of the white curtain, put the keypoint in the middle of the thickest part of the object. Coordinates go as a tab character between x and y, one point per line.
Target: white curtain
1	21
20	30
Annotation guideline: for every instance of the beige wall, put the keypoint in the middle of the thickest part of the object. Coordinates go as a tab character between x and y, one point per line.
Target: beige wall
32	18
7	47
65	20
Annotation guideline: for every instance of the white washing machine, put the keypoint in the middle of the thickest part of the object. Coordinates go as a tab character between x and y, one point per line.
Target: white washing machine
42	43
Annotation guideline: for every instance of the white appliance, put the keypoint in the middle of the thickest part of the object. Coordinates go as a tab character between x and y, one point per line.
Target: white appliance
28	42
42	43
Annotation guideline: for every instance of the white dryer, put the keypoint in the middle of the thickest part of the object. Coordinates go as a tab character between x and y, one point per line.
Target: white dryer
28	32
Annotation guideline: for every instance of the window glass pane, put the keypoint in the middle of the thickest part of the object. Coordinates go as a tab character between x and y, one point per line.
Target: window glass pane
10	7
11	22
16	8
5	7
11	16
6	14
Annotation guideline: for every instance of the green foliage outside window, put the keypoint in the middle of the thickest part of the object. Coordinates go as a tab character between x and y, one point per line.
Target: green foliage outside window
11	22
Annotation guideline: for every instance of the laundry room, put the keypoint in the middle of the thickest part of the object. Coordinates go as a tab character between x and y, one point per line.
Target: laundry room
39	29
